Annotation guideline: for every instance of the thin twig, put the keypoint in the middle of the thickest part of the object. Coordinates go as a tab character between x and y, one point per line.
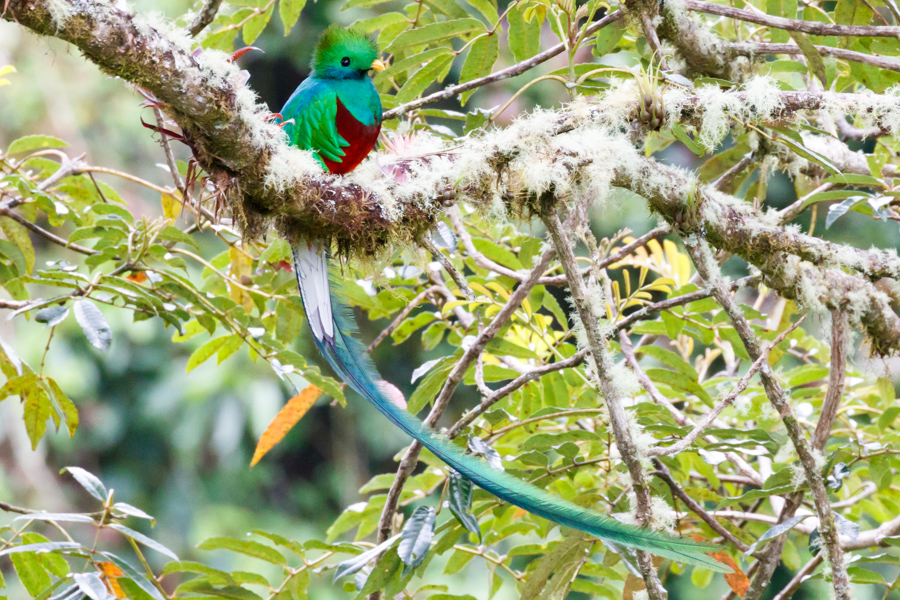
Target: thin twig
401	316
812	27
709	271
46	234
805	571
854	133
410	458
663	473
512	71
727	401
206	16
728	176
454	273
791	212
170	156
837	372
603	367
758	48
17	509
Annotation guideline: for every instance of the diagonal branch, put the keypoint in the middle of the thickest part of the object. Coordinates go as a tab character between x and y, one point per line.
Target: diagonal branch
709	271
206	16
511	71
603	368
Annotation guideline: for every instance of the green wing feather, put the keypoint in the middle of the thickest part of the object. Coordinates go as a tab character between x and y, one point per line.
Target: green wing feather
313	108
348	358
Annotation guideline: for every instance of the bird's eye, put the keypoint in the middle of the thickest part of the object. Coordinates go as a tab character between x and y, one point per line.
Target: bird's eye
345	62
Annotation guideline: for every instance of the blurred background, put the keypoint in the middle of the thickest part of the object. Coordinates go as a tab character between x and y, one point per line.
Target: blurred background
179	445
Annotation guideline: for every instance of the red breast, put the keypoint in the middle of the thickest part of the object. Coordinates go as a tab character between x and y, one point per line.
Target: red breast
362	139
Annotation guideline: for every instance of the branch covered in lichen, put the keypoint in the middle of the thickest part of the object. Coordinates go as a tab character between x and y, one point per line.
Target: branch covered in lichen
547	155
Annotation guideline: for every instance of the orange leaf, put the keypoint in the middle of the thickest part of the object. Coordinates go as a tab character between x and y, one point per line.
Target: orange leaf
737	581
110	573
285	420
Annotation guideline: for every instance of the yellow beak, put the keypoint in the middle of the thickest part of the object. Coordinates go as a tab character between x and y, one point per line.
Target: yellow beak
378	65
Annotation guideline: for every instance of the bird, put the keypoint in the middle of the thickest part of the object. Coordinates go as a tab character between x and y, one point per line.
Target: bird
336	113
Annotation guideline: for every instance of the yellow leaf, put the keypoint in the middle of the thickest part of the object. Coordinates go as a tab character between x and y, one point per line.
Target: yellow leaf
171	205
499	289
481	290
111	573
6	70
241	269
737	581
285	420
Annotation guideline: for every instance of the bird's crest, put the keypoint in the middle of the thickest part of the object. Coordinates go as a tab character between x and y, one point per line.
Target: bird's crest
343	53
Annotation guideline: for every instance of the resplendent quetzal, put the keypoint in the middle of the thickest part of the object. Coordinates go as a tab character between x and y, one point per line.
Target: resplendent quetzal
336	112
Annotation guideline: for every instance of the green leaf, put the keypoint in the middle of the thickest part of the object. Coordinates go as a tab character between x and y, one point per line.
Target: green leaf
204	352
89	482
133	511
43	547
459	501
93	324
52	315
91	585
17	234
481	58
289	11
66	407
524	37
502	347
813	59
682	136
774	532
415	539
434	70
256	25
365	3
37	410
33	142
430	385
488	8
143	539
356	563
608	38
248	547
435	32
232	345
382	574
140	580
18	385
31	572
497	253
780	8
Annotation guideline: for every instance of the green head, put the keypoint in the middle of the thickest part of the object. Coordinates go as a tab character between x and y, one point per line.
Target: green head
344	54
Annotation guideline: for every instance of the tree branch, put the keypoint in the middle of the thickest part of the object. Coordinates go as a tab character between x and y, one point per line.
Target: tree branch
758	48
709	271
837	372
812	27
206	16
603	368
511	71
727	401
663	473
410	458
